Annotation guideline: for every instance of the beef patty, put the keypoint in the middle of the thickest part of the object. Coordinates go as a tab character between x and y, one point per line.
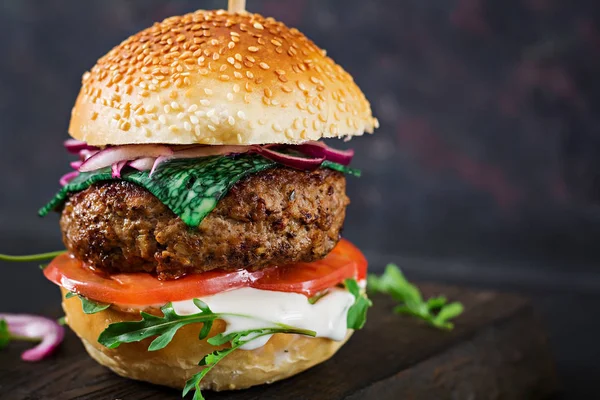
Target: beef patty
273	217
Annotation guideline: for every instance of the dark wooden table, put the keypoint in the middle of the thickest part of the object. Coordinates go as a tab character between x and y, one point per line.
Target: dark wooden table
496	351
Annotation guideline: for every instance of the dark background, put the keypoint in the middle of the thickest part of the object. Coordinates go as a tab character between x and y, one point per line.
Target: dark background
484	172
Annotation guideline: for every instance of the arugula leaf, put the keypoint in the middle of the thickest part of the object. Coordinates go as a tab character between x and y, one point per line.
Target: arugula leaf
88	306
357	314
317	297
435	311
4	334
164	327
31	257
237	340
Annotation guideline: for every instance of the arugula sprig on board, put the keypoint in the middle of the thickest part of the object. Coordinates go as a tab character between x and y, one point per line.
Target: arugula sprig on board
5	335
88	306
436	311
163	329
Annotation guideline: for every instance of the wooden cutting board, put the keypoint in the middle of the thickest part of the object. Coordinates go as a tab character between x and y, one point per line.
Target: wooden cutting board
497	351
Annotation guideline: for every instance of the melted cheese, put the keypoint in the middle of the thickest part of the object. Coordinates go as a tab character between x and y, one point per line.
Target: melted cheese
260	309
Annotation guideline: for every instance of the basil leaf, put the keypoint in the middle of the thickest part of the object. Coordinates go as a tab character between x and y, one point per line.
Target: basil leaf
357	314
435	311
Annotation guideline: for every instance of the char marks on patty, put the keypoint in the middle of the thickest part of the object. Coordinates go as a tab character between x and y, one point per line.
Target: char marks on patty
274	217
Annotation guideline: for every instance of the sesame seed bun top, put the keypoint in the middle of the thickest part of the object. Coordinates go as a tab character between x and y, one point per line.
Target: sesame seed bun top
212	77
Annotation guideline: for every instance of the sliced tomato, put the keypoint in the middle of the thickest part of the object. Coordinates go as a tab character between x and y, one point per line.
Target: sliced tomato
140	289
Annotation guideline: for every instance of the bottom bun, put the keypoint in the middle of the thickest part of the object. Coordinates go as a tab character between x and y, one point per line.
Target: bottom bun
283	356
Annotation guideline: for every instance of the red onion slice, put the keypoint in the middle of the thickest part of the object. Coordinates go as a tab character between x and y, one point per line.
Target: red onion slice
319	149
85	154
117	167
35	327
287	159
68	177
111	155
76	164
200	151
142	164
74	146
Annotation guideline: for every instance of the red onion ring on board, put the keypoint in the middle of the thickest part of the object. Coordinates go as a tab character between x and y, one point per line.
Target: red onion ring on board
48	331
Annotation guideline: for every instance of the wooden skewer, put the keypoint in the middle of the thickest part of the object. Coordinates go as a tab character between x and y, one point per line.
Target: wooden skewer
237	6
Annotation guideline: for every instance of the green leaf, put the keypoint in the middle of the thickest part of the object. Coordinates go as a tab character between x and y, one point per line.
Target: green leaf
317	297
62	321
237	340
4	334
92	307
191	188
448	312
357	314
88	306
435	311
436	303
32	257
164	328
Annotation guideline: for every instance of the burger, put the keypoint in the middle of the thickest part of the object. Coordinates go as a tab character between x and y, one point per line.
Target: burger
202	217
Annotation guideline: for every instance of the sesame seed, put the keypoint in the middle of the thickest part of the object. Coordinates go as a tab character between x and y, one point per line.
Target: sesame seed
180	115
262	121
162	119
212	128
167	108
276	127
231	60
239	138
231	45
268	92
224	77
241	114
264	65
250	75
230	96
194	120
192	108
231	120
236	88
257	25
237	75
289	133
276	42
197	130
175	105
205	102
253	49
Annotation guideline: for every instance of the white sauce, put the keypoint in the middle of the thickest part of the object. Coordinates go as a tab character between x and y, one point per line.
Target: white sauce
327	317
